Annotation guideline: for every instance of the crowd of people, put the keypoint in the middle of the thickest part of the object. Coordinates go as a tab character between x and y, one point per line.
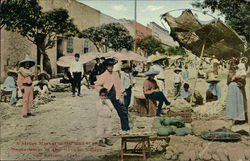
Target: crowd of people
115	88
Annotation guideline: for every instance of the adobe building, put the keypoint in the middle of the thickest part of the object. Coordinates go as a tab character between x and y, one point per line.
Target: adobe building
14	47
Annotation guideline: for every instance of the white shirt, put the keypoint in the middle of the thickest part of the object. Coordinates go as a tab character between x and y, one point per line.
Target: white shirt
160	69
76	66
127	80
177	78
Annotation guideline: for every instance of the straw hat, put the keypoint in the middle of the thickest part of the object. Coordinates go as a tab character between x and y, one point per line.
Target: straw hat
11	71
125	66
177	69
212	78
151	71
43	74
244	60
27	59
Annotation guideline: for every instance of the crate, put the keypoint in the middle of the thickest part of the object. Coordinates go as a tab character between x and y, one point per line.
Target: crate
186	116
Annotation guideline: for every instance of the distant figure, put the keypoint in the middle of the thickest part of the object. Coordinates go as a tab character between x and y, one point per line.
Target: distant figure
214	90
127	83
177	81
24	81
95	71
215	65
76	71
185	93
185	74
67	78
43	84
104	110
152	91
10	85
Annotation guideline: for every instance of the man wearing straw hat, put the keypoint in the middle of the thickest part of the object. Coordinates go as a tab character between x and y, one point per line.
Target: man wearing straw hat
214	90
24	82
177	81
10	85
152	91
111	81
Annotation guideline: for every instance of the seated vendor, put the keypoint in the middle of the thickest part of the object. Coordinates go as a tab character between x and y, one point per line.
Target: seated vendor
151	90
185	92
67	78
43	84
10	85
214	90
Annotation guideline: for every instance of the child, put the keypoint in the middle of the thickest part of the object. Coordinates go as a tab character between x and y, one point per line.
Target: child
177	81
104	109
240	72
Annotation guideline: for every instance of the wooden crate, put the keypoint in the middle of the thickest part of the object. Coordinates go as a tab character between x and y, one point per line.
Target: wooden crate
186	116
145	107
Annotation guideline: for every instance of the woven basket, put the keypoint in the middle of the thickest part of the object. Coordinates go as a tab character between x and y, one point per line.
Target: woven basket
186	116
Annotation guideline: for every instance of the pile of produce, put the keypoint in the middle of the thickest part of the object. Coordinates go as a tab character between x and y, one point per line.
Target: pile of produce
180	105
190	147
171	125
210	108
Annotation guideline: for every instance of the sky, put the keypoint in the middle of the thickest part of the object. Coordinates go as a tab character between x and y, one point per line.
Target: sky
147	10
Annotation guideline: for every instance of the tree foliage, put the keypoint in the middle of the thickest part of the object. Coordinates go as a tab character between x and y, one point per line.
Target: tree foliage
236	12
151	45
108	36
41	28
177	50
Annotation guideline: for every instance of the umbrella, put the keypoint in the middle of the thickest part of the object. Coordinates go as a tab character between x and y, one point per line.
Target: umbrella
126	55
153	58
210	39
214	38
65	61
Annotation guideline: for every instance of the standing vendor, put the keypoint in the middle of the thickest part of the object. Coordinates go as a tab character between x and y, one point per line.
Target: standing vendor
24	82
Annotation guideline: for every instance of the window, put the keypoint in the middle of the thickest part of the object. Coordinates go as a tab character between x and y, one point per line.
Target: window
70	45
85	46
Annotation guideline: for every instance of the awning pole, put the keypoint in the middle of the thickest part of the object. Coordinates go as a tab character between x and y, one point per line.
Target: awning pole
197	71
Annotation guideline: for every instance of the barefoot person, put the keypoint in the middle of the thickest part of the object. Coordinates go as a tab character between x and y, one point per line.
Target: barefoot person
24	82
111	81
104	110
152	91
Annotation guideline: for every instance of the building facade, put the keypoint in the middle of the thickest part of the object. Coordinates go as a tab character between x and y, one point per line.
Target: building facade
162	34
14	47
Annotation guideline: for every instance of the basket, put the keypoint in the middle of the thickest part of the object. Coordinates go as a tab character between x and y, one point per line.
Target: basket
220	136
186	116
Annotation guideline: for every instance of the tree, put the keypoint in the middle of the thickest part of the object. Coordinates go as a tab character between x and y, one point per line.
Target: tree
41	28
177	50
113	36
236	13
151	45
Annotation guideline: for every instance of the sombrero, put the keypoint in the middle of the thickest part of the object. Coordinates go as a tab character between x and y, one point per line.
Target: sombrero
11	71
212	78
27	59
43	74
177	69
152	71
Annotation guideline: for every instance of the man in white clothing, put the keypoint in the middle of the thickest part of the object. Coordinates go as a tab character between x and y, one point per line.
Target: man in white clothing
76	71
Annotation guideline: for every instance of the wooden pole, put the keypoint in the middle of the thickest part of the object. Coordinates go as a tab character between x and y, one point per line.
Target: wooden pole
197	71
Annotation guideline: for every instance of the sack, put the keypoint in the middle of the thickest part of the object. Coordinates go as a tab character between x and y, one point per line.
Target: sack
183	131
157	123
165	131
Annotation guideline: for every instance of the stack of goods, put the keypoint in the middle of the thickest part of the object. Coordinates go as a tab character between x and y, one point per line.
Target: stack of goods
180	105
171	125
210	108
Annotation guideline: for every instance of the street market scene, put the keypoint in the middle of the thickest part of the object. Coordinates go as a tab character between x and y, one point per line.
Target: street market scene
125	80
